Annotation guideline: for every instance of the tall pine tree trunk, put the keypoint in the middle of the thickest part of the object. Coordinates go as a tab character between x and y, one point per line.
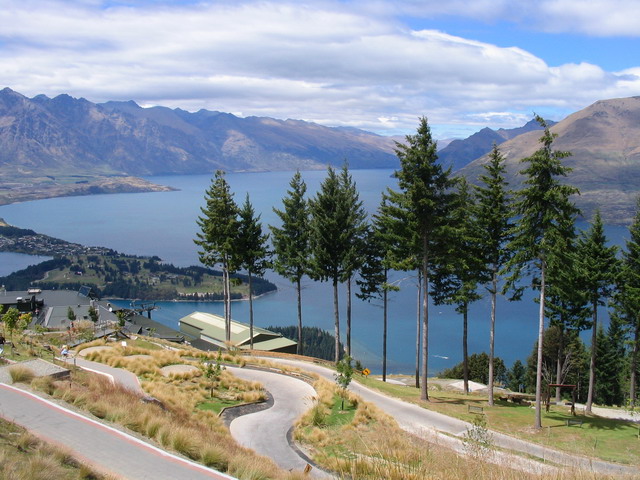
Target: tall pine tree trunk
559	362
229	305
225	294
465	350
336	316
384	328
634	366
592	363
538	421
250	311
418	318
424	390
299	349
492	331
348	346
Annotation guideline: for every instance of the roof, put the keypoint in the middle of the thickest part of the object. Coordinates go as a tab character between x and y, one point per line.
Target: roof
212	329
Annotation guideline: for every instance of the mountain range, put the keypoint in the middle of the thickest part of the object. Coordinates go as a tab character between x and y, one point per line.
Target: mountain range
604	141
68	146
460	152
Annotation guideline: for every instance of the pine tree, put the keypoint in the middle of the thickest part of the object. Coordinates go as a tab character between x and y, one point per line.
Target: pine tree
374	273
494	212
544	212
424	203
611	356
457	283
355	229
328	240
217	239
566	305
627	298
598	265
291	242
252	252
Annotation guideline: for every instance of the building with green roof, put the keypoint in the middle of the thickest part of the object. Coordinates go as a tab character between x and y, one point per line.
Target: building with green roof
209	328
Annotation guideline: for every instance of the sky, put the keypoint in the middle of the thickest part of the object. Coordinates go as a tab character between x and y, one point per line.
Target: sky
377	65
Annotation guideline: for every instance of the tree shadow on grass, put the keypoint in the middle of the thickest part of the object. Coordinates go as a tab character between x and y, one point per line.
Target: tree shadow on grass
597	423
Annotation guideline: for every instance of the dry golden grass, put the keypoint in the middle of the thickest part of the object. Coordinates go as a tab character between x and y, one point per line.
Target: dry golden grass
372	446
25	457
21	374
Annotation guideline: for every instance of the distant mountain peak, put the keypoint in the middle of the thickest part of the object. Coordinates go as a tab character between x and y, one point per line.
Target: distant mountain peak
459	153
604	141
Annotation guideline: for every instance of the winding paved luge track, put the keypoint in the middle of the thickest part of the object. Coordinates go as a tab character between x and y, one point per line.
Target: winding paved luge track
429	424
266	431
107	449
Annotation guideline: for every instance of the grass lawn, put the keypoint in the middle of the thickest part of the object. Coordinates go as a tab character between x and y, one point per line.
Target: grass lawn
607	439
216	405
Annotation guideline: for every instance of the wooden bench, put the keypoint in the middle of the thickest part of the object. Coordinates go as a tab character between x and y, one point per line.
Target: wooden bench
574	421
475	409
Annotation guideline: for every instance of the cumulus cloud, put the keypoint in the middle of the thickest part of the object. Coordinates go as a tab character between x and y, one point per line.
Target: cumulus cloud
329	63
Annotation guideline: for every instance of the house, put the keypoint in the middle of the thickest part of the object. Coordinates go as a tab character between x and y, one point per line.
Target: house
209	330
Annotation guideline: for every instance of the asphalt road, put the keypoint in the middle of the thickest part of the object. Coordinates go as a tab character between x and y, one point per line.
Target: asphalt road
266	431
107	449
432	425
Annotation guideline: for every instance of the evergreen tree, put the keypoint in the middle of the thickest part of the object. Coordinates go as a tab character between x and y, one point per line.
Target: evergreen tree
353	237
627	298
611	356
465	268
597	264
424	204
494	212
516	377
252	252
544	212
374	273
566	305
291	242
218	236
328	240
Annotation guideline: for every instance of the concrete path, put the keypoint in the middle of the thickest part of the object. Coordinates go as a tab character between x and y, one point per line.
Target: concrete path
266	431
119	375
107	449
431	425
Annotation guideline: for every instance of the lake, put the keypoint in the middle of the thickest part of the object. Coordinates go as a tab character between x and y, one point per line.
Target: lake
164	224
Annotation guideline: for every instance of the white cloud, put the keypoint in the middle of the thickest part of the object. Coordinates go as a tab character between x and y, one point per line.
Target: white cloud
326	63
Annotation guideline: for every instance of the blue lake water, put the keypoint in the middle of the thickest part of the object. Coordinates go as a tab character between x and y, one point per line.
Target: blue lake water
164	224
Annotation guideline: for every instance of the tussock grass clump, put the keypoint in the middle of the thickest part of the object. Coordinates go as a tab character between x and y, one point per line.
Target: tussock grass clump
45	384
215	457
21	374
